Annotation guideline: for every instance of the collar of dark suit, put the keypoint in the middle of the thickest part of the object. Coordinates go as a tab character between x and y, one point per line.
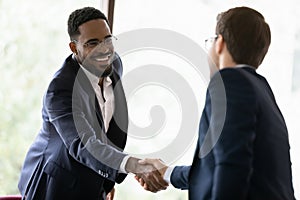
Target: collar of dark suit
248	68
245	66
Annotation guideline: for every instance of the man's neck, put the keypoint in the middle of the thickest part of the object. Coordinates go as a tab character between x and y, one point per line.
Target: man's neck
226	61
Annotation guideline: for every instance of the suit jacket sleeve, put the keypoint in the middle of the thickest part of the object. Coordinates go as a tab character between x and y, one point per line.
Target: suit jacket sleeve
64	109
180	177
233	151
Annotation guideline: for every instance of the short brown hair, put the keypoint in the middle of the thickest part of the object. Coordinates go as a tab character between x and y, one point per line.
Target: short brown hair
246	34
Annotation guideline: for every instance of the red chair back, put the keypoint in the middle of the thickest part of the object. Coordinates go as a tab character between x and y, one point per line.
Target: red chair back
11	197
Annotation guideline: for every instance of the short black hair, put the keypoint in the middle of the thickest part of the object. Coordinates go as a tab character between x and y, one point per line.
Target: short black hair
80	16
246	33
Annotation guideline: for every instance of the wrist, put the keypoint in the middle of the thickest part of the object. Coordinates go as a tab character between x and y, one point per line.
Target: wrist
163	170
131	165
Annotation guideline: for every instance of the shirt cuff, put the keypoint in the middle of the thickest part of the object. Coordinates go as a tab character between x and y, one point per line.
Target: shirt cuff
123	164
167	175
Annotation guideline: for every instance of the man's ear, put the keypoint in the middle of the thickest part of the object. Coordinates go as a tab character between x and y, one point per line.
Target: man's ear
73	48
220	43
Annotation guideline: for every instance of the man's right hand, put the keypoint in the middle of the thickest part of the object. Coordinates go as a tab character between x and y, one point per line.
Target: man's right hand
150	176
158	164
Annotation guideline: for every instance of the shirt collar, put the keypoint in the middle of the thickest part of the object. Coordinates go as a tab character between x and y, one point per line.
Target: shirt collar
245	65
93	78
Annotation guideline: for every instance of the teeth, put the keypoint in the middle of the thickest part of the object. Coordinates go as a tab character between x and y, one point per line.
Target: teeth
102	59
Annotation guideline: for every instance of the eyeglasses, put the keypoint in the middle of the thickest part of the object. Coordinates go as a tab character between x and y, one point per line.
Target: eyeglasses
209	41
108	41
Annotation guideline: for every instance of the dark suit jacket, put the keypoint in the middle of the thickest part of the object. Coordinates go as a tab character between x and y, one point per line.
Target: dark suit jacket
72	157
250	159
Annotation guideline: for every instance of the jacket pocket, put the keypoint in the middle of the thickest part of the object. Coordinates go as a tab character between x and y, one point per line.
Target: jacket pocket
60	174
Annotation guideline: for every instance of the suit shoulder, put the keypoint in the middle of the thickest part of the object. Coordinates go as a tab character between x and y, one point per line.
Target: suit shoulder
66	75
117	65
234	84
69	68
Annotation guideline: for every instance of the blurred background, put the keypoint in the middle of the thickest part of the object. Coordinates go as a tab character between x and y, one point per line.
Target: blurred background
34	43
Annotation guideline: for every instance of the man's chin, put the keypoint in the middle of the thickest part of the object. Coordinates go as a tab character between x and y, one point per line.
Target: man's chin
99	71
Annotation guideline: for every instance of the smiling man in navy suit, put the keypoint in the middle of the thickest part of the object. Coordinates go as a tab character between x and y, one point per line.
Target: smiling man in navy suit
78	151
243	146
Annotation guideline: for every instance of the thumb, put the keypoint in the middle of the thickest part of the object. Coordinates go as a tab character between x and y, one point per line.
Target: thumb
146	161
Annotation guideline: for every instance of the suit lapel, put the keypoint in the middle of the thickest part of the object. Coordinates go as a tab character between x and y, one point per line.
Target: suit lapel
120	113
117	132
91	95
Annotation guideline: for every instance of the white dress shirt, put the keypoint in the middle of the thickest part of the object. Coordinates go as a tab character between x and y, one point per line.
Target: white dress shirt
106	99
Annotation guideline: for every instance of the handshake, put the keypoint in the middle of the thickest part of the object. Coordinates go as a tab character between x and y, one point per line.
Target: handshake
148	172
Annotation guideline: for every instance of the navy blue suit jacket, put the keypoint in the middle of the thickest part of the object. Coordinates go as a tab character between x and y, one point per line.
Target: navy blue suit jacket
250	159
72	157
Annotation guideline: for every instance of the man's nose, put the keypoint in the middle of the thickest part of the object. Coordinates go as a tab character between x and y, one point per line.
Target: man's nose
101	48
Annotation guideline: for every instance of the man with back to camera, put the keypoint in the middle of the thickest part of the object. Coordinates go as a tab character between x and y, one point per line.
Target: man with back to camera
78	151
250	158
